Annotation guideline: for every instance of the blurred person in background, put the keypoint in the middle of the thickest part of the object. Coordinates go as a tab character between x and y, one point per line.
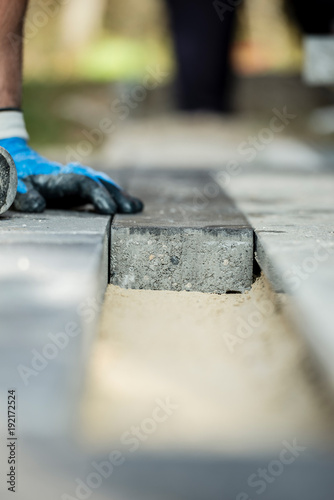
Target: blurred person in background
203	31
41	182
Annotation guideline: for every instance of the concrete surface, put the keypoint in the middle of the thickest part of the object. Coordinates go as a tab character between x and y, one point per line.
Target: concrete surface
53	274
154	476
293	217
190	236
199	141
54	267
182	477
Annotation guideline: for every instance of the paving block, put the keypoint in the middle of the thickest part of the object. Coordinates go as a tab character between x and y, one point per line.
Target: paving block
54	270
190	236
197	477
292	214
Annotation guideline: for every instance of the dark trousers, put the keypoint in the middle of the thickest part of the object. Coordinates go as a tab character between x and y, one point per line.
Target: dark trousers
202	42
203	31
312	17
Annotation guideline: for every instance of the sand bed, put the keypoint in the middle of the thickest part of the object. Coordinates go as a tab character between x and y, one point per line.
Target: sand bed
238	377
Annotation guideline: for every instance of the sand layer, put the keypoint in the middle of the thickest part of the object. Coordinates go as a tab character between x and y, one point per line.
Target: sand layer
238	377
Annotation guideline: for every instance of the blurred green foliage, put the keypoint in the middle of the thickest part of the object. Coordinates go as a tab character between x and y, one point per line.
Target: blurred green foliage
38	99
121	59
45	125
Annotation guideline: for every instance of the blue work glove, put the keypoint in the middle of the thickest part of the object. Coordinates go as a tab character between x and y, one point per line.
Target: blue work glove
44	183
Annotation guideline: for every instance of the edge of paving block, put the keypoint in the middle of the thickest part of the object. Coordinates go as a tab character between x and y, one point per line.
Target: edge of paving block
208	259
310	305
64	372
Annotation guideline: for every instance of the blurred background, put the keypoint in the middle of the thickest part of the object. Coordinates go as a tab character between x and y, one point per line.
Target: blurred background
81	56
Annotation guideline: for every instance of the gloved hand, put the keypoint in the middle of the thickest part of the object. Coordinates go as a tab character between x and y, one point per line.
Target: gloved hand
44	183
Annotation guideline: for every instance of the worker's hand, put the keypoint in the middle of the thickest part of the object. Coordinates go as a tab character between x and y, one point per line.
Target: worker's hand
44	183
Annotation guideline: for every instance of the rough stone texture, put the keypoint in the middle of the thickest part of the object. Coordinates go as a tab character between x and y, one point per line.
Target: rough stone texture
8	180
190	237
293	217
53	272
319	59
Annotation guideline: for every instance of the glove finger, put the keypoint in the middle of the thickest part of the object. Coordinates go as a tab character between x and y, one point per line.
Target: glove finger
126	204
99	196
31	201
70	190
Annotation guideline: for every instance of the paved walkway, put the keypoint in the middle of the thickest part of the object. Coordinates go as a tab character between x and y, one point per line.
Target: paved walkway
55	265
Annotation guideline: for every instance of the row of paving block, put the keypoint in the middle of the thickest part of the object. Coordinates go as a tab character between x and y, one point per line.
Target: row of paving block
54	270
55	267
